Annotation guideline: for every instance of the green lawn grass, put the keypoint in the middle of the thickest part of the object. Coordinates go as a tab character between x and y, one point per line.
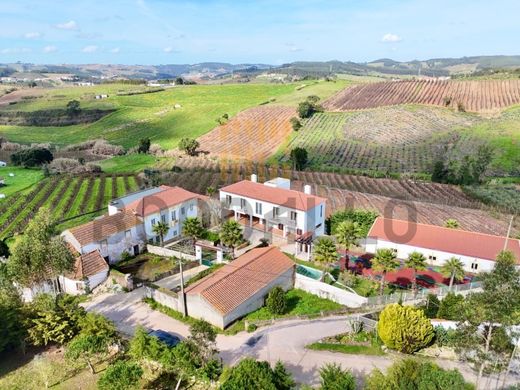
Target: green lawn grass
347	348
322	89
22	179
147	115
128	163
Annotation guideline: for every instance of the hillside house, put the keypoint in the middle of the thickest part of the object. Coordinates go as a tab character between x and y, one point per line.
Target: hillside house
90	270
240	287
170	205
477	251
273	207
3	164
111	235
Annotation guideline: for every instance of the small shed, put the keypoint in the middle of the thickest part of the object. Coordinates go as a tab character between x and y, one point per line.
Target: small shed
90	270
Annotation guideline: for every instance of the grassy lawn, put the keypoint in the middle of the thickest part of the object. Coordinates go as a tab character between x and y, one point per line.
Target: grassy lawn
22	179
130	163
323	89
147	115
299	302
347	348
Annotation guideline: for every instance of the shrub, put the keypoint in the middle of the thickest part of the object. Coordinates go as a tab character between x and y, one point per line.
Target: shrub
256	375
189	145
333	377
431	308
450	307
296	124
404	328
70	165
121	375
251	328
32	157
413	374
276	301
144	145
299	158
445	337
364	219
102	147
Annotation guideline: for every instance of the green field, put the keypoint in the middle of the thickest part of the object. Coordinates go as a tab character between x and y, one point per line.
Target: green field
146	115
22	179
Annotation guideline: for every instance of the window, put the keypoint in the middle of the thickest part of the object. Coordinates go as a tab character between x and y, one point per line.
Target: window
128	234
294	215
276	212
80	286
157	239
183	210
153	221
242	203
321	211
394	250
258	208
191	207
104	243
299	232
432	258
474	266
174	215
318	226
175	233
229	199
163	218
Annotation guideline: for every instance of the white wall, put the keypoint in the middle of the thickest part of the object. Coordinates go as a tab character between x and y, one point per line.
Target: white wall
28	294
191	211
403	250
76	287
327	291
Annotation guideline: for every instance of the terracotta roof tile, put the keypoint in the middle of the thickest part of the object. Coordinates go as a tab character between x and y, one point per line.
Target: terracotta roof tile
168	197
236	282
279	196
456	241
104	227
87	265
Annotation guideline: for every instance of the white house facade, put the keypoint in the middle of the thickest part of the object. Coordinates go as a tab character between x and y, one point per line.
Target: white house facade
90	270
274	207
477	251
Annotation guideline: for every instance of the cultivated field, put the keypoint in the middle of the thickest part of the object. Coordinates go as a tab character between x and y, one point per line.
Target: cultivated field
253	134
474	95
66	196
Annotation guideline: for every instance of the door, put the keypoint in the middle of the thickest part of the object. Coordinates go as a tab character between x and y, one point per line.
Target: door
136	250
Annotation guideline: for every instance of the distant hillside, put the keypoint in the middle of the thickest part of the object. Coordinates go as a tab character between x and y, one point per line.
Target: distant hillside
436	67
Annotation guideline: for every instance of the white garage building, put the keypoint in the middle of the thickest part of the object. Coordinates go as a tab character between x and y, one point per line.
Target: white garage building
477	251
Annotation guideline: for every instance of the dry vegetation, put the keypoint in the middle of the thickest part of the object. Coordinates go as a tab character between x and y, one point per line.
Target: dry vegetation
474	95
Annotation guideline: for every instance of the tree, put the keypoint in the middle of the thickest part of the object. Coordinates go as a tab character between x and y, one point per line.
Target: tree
192	228
38	256
210	191
325	250
404	328
299	158
32	157
415	374
347	234
486	314
189	145
87	347
276	301
431	308
4	249
73	108
12	334
161	229
364	219
144	145
231	235
256	375
295	123
204	336
121	375
143	346
454	269
384	261
308	107
450	307
179	81
333	377
452	224
417	262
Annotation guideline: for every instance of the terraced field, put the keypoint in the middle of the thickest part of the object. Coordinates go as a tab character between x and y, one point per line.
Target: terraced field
67	197
253	134
474	95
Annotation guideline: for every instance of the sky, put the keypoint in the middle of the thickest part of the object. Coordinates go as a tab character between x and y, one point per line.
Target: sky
241	31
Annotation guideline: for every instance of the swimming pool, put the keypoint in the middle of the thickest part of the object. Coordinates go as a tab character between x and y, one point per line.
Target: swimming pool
309	272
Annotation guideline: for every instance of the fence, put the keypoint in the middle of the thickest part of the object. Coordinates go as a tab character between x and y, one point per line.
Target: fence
163	296
327	291
382	300
166	252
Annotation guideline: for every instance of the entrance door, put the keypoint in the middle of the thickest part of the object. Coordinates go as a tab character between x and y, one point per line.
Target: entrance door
136	250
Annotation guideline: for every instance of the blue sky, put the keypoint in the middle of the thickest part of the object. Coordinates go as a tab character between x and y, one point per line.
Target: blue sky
274	32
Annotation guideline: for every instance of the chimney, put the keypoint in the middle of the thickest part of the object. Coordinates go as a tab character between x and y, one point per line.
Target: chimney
307	189
254	178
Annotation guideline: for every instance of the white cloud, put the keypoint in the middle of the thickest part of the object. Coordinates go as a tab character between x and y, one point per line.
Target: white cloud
50	49
89	49
168	49
391	38
32	35
115	50
70	25
15	50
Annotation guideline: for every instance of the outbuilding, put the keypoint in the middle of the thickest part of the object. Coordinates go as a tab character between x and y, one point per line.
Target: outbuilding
90	270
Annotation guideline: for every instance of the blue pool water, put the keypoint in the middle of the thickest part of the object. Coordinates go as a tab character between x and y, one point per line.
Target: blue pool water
309	272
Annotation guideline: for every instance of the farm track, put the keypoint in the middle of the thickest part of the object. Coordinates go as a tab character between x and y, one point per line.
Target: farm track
474	95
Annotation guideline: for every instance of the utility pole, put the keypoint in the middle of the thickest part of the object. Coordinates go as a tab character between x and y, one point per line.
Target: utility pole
509	231
183	297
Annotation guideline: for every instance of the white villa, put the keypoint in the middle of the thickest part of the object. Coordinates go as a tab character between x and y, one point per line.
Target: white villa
273	207
130	220
477	251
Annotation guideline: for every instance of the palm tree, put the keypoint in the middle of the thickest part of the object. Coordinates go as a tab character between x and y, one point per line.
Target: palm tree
417	262
192	228
161	229
451	223
347	234
231	235
325	251
210	191
454	269
384	261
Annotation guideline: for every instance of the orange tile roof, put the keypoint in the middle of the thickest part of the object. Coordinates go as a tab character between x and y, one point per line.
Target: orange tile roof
279	196
236	282
87	265
104	227
456	241
168	197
